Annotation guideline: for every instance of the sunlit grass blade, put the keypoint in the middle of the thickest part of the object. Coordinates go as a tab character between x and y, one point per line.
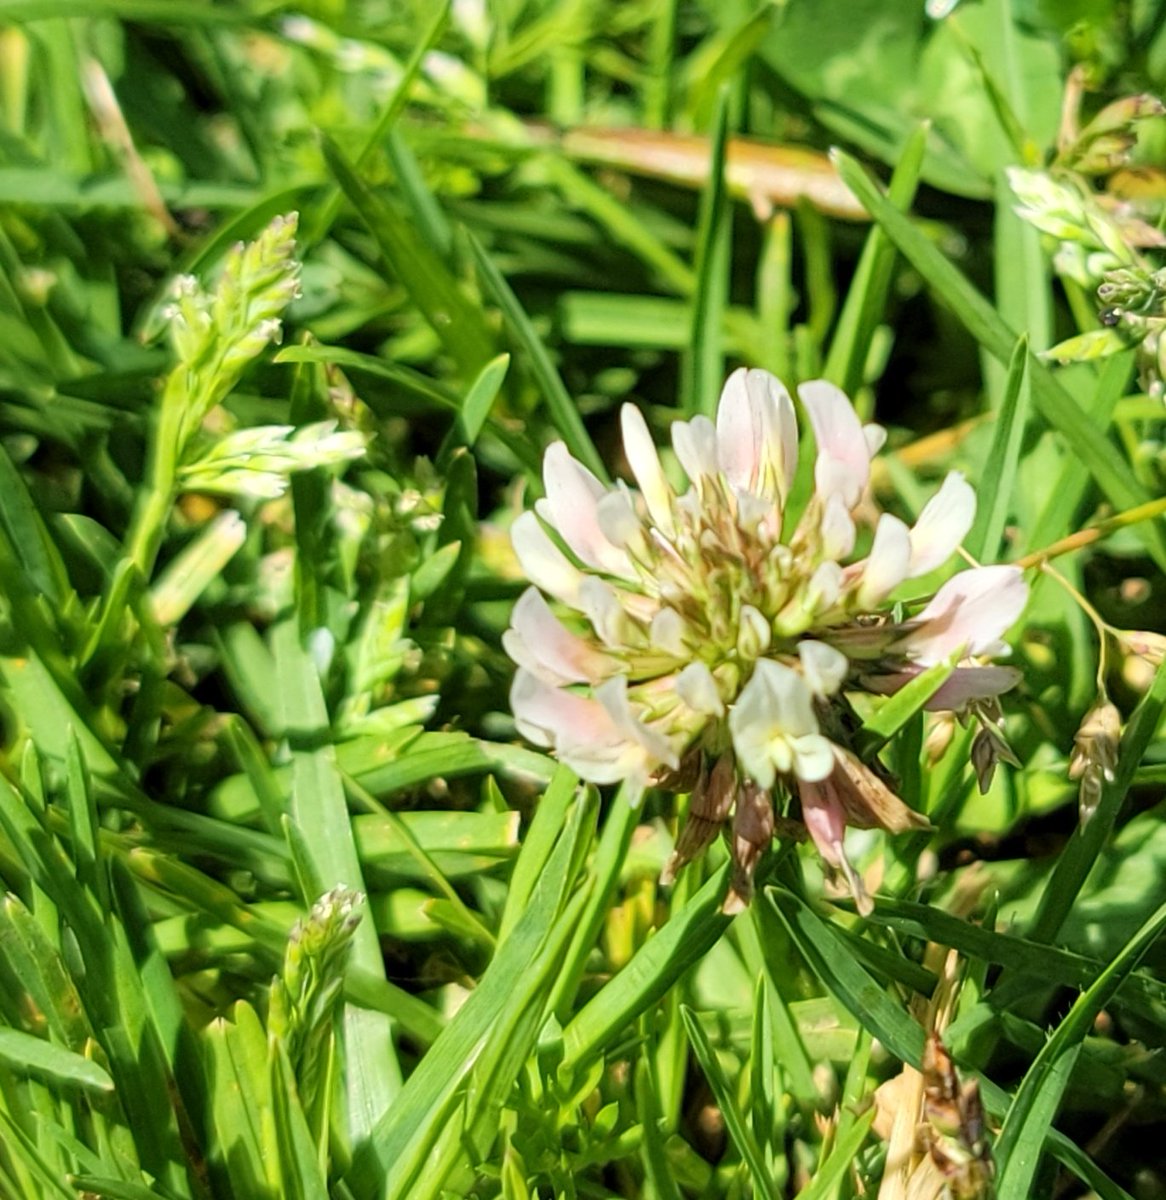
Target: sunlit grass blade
677	946
1076	860
999	474
451	315
318	808
702	366
735	1124
409	1132
562	410
866	298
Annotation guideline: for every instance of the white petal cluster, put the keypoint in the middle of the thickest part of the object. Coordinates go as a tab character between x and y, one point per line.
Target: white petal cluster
715	618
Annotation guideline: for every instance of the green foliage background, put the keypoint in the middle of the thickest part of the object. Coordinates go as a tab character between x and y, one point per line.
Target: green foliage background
211	721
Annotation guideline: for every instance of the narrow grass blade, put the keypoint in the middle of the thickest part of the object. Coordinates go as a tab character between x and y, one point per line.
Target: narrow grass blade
702	367
901	707
562	409
848	982
409	1131
679	945
999	474
319	810
840	1159
456	321
1076	860
330	207
27	1055
866	298
764	1185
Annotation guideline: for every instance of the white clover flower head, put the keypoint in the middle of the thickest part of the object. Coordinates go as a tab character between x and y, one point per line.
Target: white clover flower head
716	622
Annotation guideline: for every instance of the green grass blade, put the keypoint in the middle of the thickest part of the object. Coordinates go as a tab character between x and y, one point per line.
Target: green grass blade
866	298
561	408
28	1055
998	477
840	1159
319	810
679	945
1077	858
456	321
703	365
741	1135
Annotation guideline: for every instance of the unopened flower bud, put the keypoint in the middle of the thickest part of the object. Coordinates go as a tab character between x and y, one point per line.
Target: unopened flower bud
938	738
1094	755
1143	653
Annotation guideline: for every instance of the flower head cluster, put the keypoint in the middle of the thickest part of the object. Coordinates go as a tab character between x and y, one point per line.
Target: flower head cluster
719	633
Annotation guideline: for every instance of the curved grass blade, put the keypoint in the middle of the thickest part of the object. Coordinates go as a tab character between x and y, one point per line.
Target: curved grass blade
563	411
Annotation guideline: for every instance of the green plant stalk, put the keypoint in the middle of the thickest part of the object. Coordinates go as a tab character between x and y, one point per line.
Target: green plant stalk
149	522
1095	533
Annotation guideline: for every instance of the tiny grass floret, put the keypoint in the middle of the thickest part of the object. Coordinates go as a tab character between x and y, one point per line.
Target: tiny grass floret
719	634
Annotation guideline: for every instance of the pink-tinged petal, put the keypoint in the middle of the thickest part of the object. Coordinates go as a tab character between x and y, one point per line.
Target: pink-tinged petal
613	695
545	714
600	602
618	519
757	434
967	615
537	641
543	563
824	814
581	732
876	438
942	525
645	464
571	506
843	465
824	818
887	564
836	529
823	667
963	686
695	443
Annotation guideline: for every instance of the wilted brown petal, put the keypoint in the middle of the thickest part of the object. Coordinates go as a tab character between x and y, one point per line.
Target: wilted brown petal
753	827
712	799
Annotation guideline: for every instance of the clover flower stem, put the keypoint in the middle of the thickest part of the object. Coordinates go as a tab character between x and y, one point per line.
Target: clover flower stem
149	520
1086	537
1105	631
